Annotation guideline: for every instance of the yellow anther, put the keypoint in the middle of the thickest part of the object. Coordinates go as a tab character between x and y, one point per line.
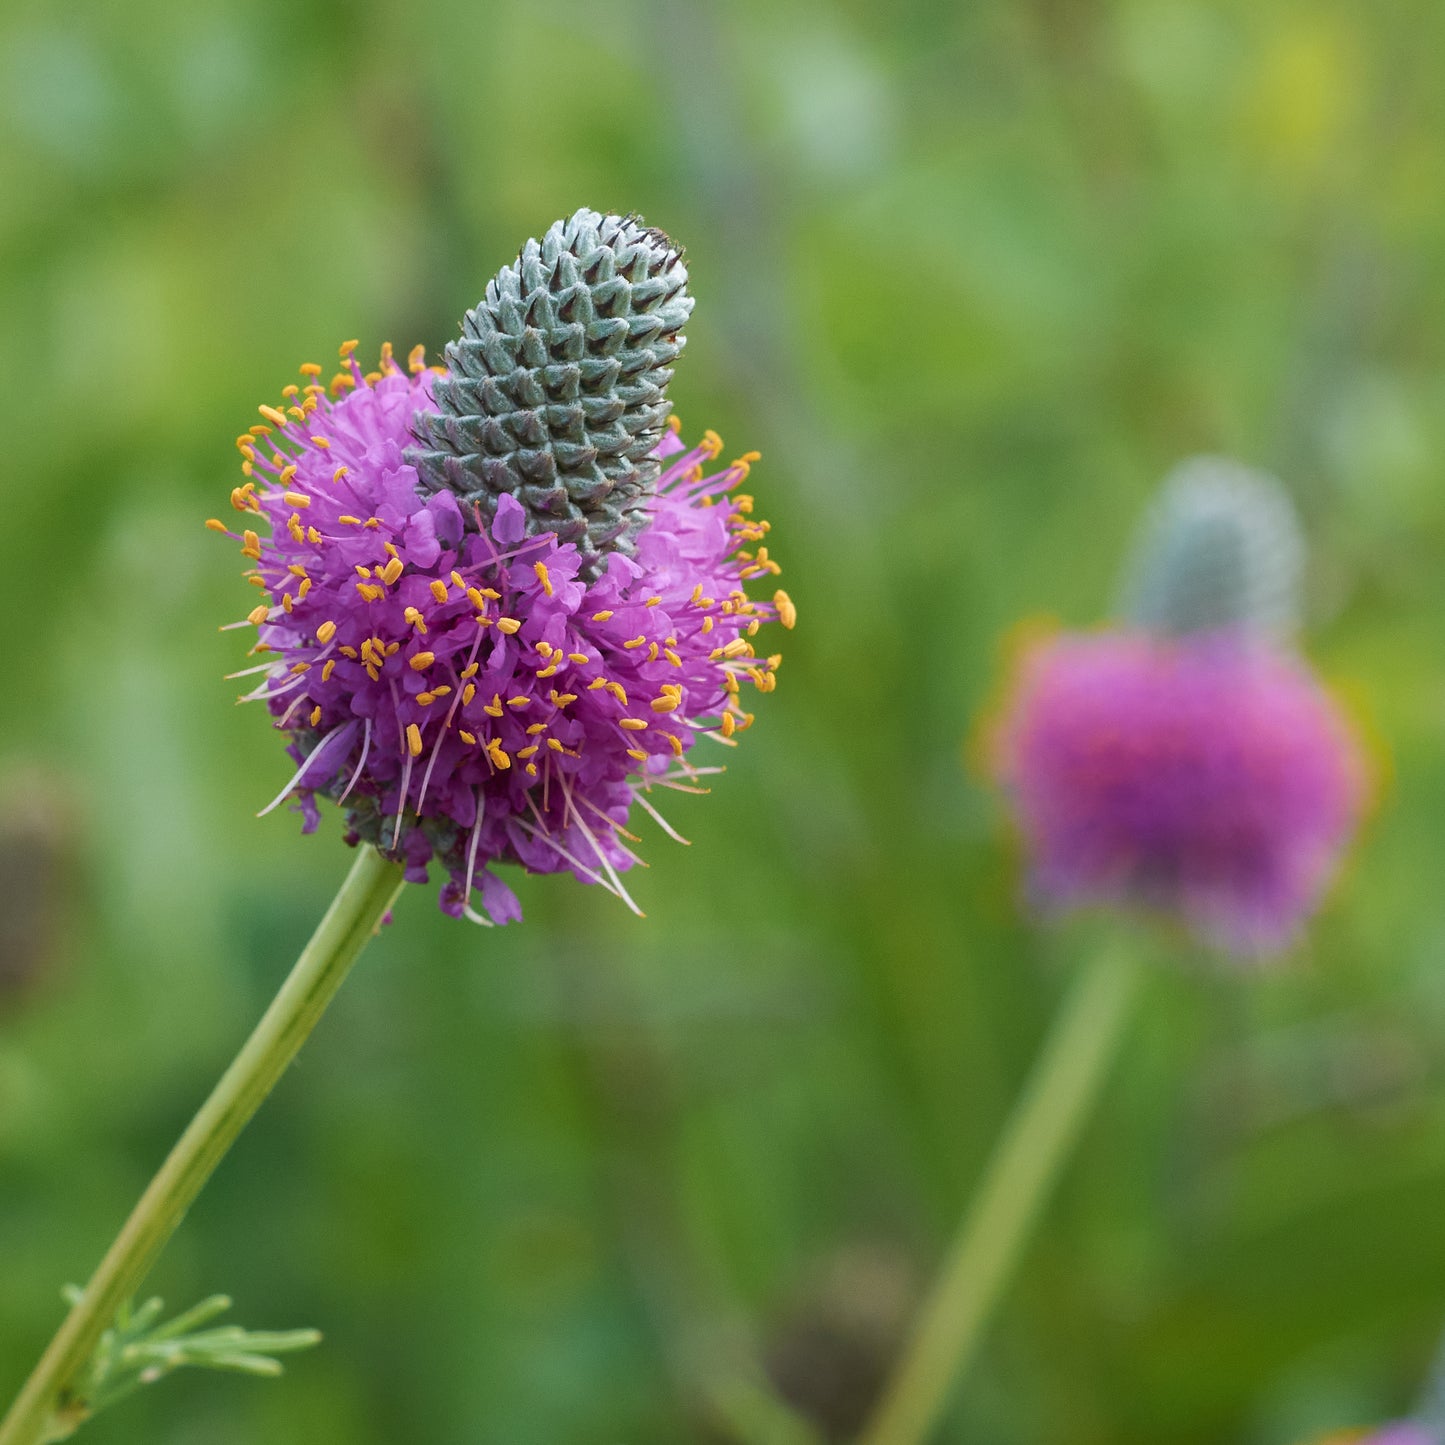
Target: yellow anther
602	616
469	692
787	613
370	591
316	716
296	569
423	660
548	671
638	754
326	632
596	683
416	359
531	770
536	728
752	627
297	668
313	536
672	657
728	726
276	418
390	549
392	571
637	641
338	474
493	708
362	571
426	699
471	670
618	691
580	658
439	590
327	669
257	581
294	527
519	702
467	737
350	521
632	724
215	524
258	614
527	751
414	617
372	522
540	568
711	443
413	740
652	601
476	599
508	624
309	368
554	745
303	589
545	648
706	626
388	355
562	699
652	652
498	754
458	580
346	348
675	743
346	651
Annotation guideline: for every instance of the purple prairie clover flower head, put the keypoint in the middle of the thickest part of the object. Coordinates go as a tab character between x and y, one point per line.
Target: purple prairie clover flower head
469	687
1200	772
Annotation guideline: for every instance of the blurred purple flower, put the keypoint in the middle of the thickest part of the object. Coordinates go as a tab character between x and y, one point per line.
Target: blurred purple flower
1207	776
1404	1433
453	682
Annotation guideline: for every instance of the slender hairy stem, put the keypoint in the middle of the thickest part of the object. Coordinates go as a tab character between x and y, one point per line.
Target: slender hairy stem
354	916
1013	1191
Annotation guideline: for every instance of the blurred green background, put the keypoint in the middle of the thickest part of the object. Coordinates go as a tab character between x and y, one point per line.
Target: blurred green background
971	277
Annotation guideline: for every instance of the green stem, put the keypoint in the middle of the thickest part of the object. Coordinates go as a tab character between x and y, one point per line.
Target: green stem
354	916
1015	1186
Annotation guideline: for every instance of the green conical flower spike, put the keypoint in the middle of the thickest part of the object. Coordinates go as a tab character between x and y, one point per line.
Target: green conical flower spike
557	390
1220	549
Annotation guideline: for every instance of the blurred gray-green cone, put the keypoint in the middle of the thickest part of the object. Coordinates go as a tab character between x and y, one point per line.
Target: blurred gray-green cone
556	392
1220	548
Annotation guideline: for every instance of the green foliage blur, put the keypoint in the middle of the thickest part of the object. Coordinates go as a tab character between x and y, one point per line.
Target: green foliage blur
972	277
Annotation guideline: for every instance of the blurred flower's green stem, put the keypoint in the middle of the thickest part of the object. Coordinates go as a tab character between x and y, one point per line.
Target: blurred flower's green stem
354	916
1015	1186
